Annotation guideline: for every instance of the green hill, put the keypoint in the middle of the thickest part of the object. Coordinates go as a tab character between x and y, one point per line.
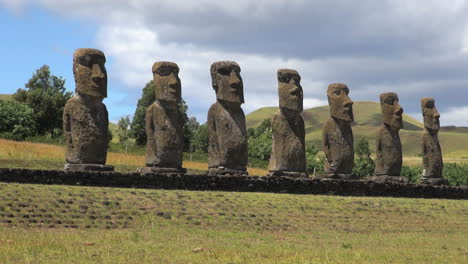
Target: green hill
368	118
7	97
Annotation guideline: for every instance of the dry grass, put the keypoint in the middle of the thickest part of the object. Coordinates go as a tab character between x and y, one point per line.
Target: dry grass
417	161
28	151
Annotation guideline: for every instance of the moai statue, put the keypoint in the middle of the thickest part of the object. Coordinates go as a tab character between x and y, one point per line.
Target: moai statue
85	118
388	149
337	134
288	148
431	152
227	134
164	130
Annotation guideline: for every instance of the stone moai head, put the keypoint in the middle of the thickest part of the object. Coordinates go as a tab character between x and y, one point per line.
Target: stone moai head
391	110
341	106
90	72
430	114
227	82
166	81
290	90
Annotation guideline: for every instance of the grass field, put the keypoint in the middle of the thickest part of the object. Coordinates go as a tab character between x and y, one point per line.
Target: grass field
7	97
65	224
20	154
68	224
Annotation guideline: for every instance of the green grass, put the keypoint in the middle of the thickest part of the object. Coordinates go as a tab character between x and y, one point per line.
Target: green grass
65	224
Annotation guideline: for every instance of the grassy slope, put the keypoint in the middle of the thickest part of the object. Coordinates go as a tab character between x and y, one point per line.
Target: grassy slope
14	154
7	97
368	118
64	224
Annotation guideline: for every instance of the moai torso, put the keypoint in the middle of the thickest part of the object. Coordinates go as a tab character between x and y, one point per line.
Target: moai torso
86	131
165	136
338	147
432	156
389	157
337	136
288	147
227	137
389	152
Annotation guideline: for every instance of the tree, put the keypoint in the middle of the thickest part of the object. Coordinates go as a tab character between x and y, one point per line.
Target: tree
200	139
190	130
124	131
363	163
260	140
16	120
124	128
47	96
137	126
314	161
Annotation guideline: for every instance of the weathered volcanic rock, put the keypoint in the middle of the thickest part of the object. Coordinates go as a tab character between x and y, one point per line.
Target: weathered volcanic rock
337	135
85	117
288	148
388	149
227	134
164	130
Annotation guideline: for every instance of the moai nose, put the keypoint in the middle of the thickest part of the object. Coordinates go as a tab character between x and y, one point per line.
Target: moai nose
399	110
173	80
96	72
348	102
234	81
436	113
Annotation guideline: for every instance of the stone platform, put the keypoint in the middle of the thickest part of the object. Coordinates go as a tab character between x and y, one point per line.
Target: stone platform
88	167
233	183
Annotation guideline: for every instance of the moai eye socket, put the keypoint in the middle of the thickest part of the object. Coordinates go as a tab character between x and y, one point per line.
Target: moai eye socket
337	92
224	71
389	100
164	71
85	60
430	105
284	78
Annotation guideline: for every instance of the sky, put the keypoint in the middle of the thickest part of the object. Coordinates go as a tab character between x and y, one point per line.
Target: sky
416	48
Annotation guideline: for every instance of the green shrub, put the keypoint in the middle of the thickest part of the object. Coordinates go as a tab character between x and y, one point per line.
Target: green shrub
16	120
456	174
363	164
260	140
200	140
314	161
413	174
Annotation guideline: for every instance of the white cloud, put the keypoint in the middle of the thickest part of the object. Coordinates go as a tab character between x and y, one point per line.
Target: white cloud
135	48
457	116
410	47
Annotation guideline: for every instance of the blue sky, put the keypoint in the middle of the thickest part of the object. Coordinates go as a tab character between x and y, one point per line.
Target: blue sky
37	37
416	48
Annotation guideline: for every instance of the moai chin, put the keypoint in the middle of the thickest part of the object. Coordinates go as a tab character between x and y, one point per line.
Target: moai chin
227	134
337	135
288	148
164	131
431	152
85	117
388	149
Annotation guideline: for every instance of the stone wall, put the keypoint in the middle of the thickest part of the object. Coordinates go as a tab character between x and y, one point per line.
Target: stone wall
232	183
